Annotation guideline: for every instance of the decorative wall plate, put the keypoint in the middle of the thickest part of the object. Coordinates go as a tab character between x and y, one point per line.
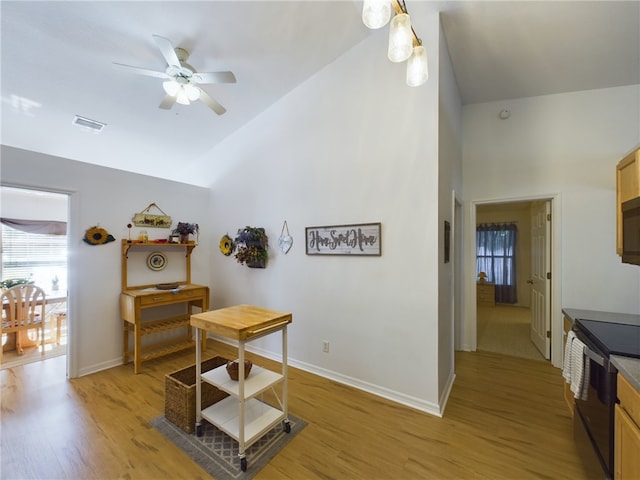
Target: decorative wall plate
156	261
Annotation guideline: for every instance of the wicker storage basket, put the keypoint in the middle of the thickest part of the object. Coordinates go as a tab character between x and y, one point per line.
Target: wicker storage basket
180	394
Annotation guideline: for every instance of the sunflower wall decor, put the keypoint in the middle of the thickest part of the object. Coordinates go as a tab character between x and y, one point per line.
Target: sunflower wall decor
226	245
97	236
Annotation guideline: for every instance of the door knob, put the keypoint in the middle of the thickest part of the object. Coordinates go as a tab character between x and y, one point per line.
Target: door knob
530	281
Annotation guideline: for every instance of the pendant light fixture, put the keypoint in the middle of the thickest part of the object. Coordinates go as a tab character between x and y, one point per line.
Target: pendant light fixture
417	67
400	38
376	13
404	44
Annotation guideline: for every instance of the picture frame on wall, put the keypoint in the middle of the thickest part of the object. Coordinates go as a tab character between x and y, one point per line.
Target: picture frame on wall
361	239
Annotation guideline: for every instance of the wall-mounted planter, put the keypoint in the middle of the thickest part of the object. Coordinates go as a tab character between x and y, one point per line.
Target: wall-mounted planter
251	245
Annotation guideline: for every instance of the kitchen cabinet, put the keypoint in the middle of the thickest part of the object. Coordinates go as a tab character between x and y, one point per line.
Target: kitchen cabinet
567	323
627	432
486	294
134	300
627	188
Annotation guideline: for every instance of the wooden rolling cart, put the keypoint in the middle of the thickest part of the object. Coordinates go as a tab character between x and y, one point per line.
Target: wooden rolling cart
241	415
134	299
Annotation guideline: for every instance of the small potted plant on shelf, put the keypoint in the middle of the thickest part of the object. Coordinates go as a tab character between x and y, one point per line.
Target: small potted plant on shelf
251	247
184	229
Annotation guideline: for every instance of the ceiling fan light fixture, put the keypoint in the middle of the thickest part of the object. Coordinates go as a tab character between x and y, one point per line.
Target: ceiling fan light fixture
400	38
193	93
417	67
171	87
182	97
376	13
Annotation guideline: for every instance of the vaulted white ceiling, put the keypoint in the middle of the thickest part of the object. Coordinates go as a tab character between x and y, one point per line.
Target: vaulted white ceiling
57	62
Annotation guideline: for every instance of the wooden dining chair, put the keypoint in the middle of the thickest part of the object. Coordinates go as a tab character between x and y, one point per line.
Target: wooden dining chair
23	310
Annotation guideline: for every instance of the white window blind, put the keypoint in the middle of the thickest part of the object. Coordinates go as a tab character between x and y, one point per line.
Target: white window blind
38	257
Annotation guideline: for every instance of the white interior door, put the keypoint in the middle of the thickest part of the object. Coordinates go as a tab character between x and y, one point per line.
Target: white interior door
541	277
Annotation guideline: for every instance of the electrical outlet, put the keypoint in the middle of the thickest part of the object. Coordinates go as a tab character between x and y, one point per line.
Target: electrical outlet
325	346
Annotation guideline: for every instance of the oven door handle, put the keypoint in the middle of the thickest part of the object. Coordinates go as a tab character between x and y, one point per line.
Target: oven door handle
595	357
599	359
593	353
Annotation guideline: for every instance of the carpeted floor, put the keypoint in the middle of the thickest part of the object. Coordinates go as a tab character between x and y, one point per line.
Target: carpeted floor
217	453
505	329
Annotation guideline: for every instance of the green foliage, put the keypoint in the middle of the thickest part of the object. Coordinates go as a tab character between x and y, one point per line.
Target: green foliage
251	245
12	282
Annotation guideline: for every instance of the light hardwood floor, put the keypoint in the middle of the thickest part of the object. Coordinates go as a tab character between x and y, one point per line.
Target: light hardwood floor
505	419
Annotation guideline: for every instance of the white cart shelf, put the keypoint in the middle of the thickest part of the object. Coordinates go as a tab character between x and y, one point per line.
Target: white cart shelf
242	416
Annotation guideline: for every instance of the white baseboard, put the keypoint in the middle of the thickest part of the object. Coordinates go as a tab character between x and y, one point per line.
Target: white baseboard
407	400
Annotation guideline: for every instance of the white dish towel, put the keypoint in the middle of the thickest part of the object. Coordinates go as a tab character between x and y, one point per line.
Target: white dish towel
576	369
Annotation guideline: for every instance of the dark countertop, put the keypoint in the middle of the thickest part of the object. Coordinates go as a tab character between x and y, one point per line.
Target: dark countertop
613	317
629	368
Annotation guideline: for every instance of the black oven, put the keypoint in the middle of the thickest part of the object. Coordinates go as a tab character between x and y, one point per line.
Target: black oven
594	416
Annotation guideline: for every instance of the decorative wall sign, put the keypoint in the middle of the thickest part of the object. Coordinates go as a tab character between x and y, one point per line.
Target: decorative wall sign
156	261
147	219
359	239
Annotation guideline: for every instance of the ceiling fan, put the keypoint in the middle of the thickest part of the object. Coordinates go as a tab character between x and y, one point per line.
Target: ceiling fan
181	80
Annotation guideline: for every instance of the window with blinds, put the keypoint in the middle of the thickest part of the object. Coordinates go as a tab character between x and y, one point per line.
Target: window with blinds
41	258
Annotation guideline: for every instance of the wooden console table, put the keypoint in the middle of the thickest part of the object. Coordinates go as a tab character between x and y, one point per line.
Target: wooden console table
135	299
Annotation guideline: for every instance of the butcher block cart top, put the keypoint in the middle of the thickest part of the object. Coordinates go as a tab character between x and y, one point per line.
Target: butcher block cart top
241	322
242	416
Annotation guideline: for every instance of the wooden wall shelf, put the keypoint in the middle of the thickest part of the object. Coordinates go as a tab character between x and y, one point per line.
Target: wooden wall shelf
136	298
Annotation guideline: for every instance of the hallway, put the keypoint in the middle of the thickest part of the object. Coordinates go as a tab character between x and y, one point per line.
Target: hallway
505	329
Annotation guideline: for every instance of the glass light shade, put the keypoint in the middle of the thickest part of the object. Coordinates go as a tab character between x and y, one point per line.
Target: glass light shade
192	92
171	87
400	38
376	13
417	67
182	97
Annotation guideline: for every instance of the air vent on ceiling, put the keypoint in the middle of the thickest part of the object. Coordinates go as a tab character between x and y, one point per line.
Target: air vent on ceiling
92	125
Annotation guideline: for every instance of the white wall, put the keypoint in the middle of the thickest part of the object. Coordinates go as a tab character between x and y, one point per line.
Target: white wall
353	144
563	146
33	205
109	198
449	184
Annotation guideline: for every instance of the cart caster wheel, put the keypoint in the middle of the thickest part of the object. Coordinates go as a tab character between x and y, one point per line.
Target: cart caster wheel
198	430
243	464
287	427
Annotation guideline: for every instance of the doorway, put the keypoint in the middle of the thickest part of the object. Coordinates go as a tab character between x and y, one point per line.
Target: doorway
511	326
34	250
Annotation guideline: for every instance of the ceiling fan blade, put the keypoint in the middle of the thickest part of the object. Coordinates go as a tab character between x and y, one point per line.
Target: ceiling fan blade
211	103
214	77
167	50
167	102
140	71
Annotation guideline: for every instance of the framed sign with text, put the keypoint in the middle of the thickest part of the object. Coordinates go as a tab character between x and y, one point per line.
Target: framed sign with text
359	239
